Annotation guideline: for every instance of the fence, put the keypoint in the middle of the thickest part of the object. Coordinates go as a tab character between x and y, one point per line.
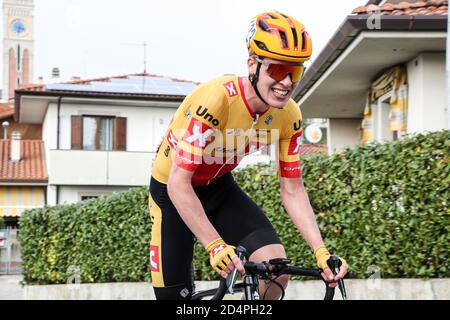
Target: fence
10	258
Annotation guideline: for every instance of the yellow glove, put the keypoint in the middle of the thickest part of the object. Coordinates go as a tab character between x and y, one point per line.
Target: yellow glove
220	254
322	255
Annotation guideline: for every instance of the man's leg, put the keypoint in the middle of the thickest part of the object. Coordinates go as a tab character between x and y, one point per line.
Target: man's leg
171	248
270	291
240	221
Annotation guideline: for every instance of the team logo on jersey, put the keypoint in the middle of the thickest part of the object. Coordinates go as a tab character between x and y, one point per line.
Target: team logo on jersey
188	115
154	258
298	125
203	112
173	142
198	134
268	120
231	88
296	142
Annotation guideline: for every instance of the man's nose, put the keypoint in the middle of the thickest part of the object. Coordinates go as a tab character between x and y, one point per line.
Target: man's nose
287	80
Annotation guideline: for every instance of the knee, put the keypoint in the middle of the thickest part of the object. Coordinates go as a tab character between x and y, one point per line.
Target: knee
273	291
283	280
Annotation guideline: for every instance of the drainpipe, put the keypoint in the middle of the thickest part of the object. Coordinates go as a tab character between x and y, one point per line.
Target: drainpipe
58	122
57	139
448	75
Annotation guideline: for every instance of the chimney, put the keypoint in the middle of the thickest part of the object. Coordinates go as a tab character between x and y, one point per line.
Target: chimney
55	74
5	126
15	146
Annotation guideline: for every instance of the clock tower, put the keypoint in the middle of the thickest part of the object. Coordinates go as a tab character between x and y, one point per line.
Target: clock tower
18	45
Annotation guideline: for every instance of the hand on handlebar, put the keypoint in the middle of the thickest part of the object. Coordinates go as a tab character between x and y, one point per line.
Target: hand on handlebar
223	258
322	255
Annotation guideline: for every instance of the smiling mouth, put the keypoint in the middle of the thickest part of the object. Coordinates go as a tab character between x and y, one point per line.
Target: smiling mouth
281	92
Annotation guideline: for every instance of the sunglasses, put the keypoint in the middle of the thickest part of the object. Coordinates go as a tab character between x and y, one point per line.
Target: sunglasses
279	71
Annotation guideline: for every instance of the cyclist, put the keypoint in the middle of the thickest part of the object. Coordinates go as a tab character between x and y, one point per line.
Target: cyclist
192	192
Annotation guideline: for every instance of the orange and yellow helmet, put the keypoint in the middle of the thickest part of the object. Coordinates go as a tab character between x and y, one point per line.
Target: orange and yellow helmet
280	37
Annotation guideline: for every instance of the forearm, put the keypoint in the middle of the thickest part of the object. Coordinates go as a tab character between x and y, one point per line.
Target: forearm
301	213
191	211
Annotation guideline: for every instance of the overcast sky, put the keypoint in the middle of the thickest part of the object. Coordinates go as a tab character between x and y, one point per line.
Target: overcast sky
194	40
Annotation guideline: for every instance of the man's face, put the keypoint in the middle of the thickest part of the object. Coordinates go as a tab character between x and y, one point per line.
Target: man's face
275	82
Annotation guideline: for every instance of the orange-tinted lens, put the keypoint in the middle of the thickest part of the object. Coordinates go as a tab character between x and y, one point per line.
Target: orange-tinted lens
279	71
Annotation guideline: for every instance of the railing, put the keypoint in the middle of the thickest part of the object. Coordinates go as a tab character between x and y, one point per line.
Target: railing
10	258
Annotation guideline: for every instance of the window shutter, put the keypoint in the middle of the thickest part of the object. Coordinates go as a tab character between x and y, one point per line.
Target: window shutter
77	133
120	134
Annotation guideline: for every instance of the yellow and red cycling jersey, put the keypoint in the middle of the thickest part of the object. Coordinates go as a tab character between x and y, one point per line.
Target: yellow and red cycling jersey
214	128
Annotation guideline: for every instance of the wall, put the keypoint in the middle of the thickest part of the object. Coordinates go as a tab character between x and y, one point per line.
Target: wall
426	93
72	194
343	133
371	289
145	125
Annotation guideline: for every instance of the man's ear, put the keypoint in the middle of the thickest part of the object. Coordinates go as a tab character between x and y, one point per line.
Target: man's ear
251	64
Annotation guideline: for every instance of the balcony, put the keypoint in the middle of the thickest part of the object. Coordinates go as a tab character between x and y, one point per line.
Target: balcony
105	168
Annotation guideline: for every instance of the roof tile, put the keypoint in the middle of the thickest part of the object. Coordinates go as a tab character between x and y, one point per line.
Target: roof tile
310	149
6	110
43	87
430	7
31	168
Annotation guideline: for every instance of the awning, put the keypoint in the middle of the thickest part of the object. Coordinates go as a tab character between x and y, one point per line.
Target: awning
16	199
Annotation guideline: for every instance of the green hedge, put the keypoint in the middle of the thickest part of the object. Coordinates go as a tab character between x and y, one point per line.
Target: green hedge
106	238
379	205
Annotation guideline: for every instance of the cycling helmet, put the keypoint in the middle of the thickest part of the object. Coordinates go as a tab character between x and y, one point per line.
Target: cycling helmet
280	37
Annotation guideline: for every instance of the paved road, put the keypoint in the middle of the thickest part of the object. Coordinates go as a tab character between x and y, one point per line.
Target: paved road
10	288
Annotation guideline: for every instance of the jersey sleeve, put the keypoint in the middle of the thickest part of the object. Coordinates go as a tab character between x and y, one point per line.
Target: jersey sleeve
205	113
289	144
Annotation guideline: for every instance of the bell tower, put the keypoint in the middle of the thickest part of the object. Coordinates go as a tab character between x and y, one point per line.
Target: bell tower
18	45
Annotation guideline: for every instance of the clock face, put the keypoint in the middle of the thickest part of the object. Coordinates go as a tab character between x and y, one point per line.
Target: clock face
18	27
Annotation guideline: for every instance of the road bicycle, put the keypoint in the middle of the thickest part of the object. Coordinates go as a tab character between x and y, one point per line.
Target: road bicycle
269	271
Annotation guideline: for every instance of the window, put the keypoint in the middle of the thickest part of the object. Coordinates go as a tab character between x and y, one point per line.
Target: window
104	133
83	198
97	133
381	118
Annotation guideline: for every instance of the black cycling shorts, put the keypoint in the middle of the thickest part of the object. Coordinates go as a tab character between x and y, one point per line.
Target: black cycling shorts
237	219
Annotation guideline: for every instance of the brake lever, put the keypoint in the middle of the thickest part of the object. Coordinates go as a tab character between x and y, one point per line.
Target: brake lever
231	279
334	264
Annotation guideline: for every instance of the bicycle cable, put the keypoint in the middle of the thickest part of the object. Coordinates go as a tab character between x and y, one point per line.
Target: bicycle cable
269	282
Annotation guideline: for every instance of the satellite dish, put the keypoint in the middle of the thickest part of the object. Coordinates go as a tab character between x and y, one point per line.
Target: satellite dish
313	133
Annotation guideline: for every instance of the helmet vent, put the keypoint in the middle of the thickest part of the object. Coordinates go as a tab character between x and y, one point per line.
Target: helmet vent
261	45
294	33
263	26
284	40
304	40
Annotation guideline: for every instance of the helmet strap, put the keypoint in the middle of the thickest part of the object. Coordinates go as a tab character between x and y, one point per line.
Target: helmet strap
254	81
